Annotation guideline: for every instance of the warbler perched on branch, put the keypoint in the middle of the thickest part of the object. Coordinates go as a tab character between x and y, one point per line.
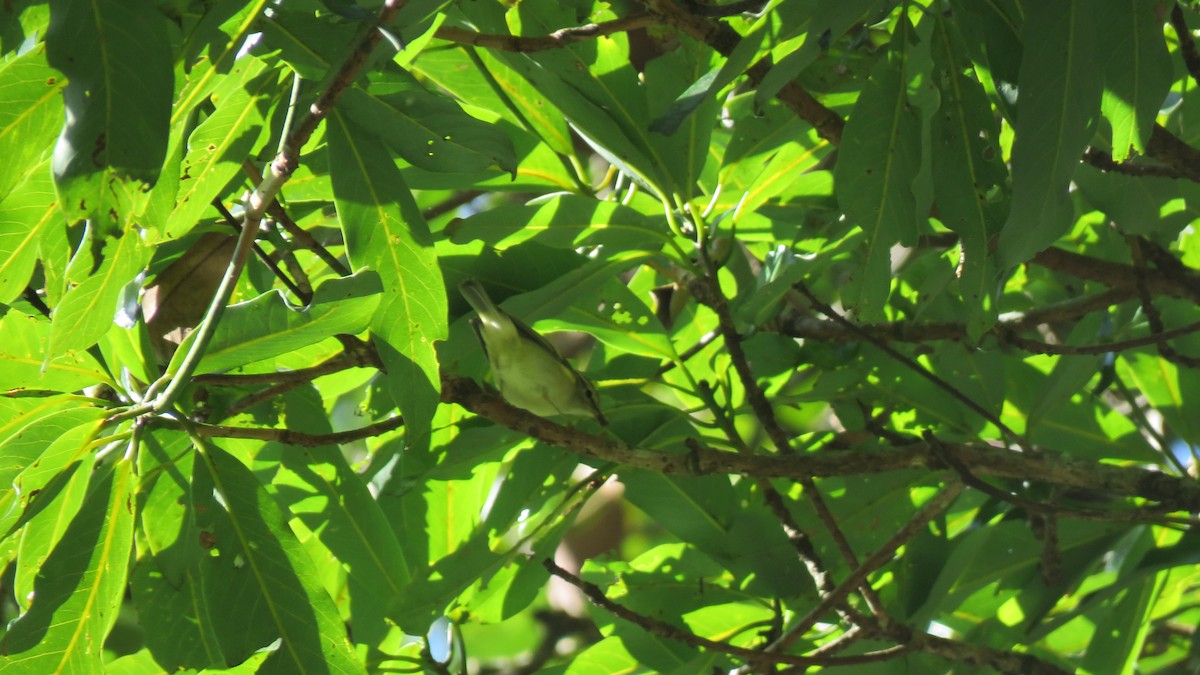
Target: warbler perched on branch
528	370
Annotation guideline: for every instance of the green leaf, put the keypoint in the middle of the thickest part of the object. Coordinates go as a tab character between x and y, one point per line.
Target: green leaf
481	85
80	586
609	655
429	595
563	221
117	61
967	169
29	118
1060	88
706	87
1138	204
165	509
51	491
29	456
1138	72
684	144
23	363
880	156
1122	625
323	492
213	47
86	312
609	113
384	230
429	131
219	146
302	614
26	216
269	326
1167	387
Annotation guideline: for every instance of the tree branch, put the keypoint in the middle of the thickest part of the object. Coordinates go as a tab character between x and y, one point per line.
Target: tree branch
1048	468
289	437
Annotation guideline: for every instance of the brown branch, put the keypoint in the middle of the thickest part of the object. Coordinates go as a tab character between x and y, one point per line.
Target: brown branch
1187	44
1167	148
1047	468
1119	275
673	632
289	159
556	40
1044	511
1104	161
881	556
289	437
302	236
343	361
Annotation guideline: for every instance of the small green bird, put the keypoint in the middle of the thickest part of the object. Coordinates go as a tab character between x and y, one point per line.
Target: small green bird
528	370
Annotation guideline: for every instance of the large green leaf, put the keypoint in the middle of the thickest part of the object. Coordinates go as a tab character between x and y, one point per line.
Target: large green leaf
320	488
32	455
384	230
429	131
1138	72
268	326
274	563
817	26
117	60
79	584
1060	87
24	363
968	171
563	221
219	146
31	115
26	215
86	311
880	156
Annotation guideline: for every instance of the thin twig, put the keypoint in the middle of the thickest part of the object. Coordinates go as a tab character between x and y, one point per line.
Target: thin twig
1157	338
289	437
301	236
802	326
663	629
940	502
1153	317
263	257
715	299
1187	44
